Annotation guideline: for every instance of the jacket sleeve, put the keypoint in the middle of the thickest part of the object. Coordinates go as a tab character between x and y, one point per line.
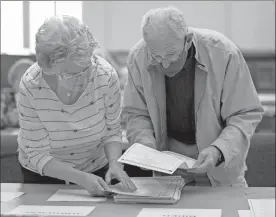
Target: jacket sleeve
33	138
135	111
241	111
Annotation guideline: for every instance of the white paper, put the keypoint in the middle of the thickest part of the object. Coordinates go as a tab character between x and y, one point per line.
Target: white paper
262	207
74	195
149	158
8	196
160	212
188	162
244	213
52	210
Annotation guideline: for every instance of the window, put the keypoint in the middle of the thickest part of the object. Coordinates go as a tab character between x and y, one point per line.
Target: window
40	10
73	8
11	26
12	34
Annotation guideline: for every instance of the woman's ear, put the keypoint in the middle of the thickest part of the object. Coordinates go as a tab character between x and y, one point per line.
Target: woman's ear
43	60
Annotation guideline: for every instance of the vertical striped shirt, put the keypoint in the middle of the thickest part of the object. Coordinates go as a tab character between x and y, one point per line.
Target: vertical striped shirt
73	134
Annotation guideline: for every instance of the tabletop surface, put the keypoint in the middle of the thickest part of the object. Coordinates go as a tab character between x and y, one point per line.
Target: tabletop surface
230	200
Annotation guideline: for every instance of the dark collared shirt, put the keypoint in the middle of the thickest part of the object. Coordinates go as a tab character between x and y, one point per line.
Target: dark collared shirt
180	102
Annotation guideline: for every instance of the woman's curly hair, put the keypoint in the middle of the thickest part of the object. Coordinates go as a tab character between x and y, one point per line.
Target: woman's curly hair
63	37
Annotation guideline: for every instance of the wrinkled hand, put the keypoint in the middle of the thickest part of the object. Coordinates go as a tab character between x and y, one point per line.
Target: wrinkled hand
116	171
206	160
95	185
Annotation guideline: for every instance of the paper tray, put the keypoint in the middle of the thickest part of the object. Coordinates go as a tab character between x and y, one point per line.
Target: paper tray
168	192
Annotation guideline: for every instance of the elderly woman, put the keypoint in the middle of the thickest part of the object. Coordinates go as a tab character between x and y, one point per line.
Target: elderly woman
69	107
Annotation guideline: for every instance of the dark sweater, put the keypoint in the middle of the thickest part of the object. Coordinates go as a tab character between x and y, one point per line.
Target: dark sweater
180	102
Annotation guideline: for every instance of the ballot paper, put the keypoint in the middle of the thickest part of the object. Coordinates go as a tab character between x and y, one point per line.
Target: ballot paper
75	195
164	190
244	213
188	162
52	210
8	196
149	158
162	212
262	207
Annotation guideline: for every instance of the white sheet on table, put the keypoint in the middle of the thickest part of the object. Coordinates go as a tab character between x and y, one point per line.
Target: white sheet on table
8	196
74	195
162	212
52	210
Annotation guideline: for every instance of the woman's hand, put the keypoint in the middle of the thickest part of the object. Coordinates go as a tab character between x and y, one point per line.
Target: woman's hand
95	185
116	171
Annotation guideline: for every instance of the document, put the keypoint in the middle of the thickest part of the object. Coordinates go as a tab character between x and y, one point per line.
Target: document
142	156
52	210
8	196
262	207
74	195
188	162
244	213
162	212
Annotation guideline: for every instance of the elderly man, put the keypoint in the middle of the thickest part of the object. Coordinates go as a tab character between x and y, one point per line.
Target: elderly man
190	91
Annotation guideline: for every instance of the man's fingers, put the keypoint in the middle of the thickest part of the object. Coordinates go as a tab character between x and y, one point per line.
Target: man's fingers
204	167
200	160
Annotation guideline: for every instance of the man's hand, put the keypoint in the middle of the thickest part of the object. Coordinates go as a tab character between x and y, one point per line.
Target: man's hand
116	171
206	160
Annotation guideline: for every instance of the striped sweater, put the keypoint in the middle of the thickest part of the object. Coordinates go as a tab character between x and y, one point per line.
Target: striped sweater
72	134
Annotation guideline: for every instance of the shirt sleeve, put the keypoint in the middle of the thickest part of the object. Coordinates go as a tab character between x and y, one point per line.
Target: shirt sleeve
113	110
33	138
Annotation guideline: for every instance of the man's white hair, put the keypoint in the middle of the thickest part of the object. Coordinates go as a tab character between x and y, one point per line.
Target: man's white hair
161	20
61	37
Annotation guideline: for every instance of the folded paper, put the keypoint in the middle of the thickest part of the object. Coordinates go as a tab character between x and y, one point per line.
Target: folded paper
148	158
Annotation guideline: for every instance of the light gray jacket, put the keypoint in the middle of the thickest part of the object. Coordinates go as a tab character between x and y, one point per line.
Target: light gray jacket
227	108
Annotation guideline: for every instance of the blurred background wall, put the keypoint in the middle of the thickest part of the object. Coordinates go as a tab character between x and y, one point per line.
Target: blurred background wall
251	25
116	24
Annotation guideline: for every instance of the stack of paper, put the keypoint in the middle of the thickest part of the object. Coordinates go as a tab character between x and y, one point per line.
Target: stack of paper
163	190
166	162
262	207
